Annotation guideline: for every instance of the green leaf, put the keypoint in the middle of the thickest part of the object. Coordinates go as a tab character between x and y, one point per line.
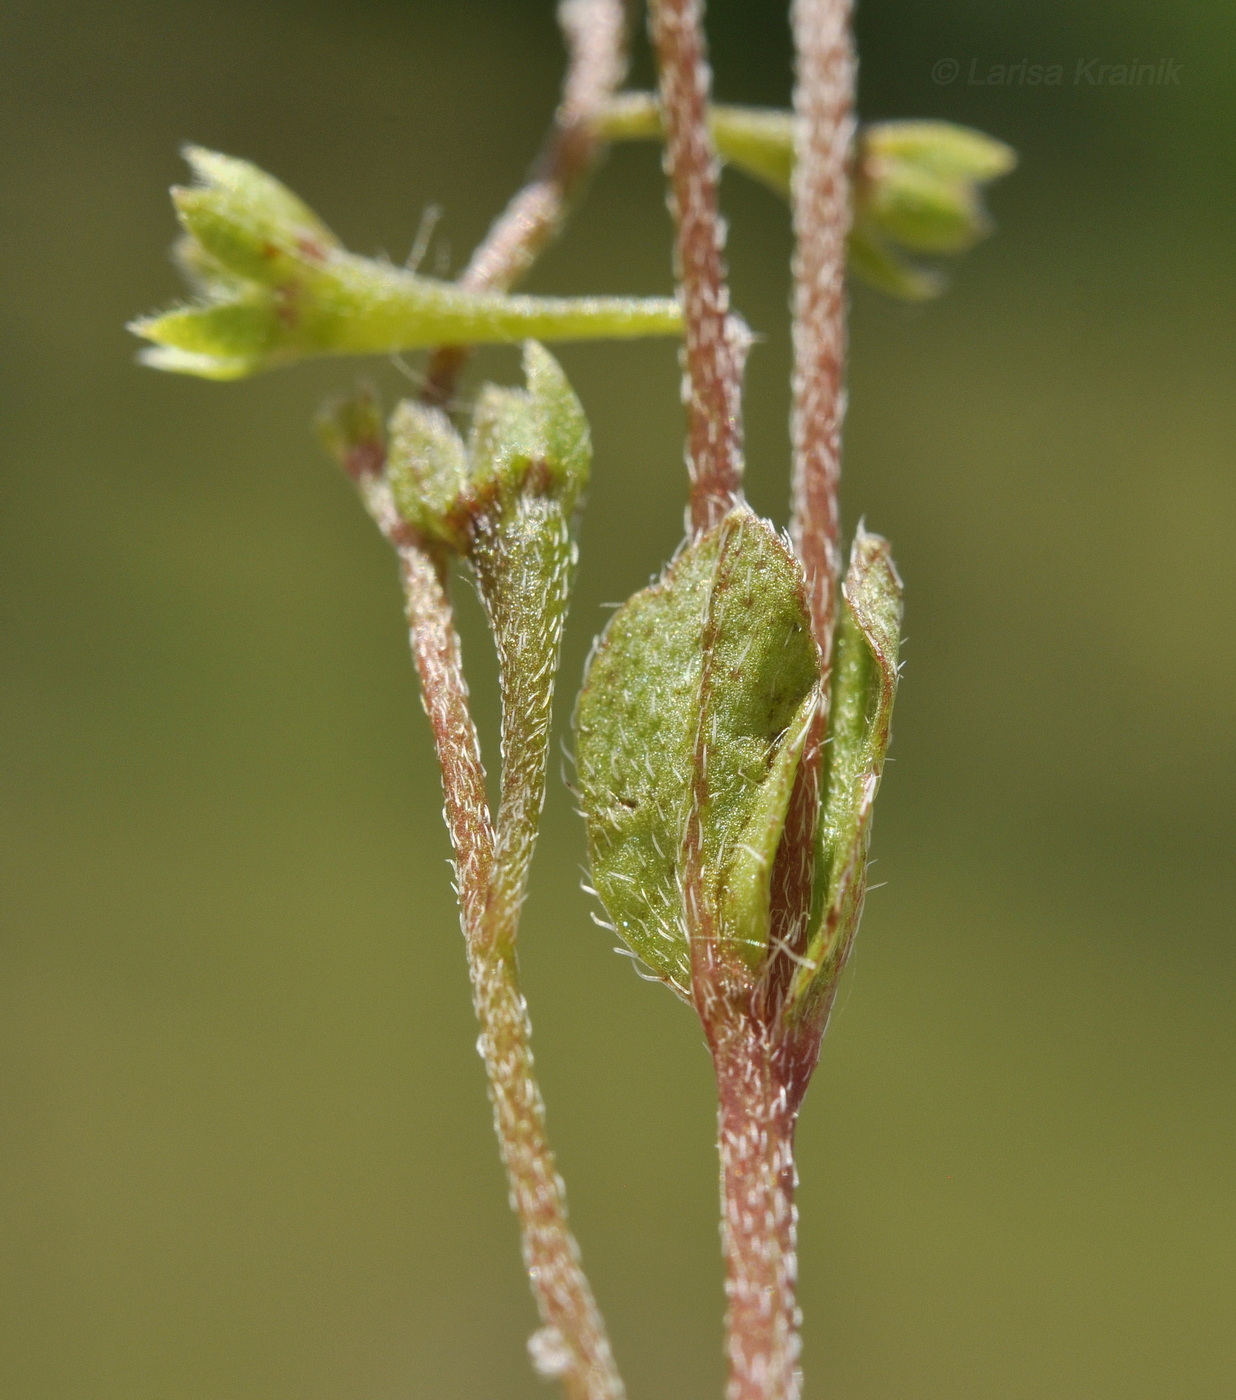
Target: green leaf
711	670
864	682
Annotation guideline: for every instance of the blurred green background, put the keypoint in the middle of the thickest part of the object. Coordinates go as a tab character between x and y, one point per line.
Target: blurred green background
244	1147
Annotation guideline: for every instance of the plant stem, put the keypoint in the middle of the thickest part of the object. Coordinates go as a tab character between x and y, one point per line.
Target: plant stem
716	342
595	34
756	1118
572	1343
824	105
758	1095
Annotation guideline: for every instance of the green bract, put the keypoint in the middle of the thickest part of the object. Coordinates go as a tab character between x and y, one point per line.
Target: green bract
694	706
427	465
277	286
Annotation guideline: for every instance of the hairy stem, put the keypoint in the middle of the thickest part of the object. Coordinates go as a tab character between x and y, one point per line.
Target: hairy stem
490	873
572	1343
716	342
595	34
824	137
756	1119
444	692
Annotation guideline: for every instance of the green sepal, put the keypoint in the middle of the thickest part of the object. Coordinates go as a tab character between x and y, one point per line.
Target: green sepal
874	262
531	440
943	149
248	221
523	443
709	673
864	682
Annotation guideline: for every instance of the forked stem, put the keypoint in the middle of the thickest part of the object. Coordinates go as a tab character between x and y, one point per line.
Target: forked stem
572	1344
595	32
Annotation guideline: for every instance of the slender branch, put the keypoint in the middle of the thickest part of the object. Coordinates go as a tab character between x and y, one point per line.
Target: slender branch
716	342
572	1343
824	136
595	34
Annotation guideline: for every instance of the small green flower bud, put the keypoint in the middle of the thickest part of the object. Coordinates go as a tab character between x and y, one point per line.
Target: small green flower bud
278	287
923	212
427	466
920	183
249	222
352	431
533	439
943	149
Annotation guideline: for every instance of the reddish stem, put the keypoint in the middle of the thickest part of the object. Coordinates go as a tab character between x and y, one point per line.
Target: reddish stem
824	136
757	1112
716	342
595	34
572	1344
444	693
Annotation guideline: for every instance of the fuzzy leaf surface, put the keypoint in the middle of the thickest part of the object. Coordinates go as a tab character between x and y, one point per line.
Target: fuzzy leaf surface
693	707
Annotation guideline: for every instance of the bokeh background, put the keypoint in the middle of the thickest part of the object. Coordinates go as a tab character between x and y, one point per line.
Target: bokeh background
244	1147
